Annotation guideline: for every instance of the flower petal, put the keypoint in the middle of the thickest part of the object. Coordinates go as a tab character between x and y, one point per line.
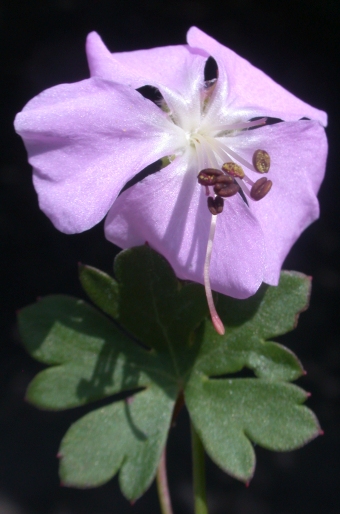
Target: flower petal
85	141
162	65
250	88
185	103
298	152
239	255
169	211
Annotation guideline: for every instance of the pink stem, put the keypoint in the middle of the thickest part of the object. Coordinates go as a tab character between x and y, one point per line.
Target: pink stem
162	486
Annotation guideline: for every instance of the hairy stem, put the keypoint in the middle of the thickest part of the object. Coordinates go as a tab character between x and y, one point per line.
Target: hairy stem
198	465
163	487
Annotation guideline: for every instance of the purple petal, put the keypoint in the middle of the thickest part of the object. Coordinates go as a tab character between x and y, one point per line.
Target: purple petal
185	103
298	152
250	88
85	141
239	255
169	211
164	65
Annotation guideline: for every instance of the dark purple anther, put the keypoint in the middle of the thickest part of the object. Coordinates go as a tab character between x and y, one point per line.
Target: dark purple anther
215	205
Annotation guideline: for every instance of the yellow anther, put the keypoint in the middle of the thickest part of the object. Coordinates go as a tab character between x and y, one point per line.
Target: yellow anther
261	161
233	169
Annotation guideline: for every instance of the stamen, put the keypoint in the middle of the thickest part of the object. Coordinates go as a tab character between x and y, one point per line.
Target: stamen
215	205
226	190
261	161
233	169
218	325
210	158
208	176
224	179
217	148
239	126
261	187
248	180
200	163
221	149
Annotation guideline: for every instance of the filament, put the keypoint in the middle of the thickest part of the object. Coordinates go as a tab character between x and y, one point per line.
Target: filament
209	156
238	126
235	156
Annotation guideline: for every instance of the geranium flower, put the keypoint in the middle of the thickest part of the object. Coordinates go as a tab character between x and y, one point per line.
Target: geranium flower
87	140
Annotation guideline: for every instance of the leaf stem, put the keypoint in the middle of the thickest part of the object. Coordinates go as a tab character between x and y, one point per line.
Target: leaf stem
198	467
163	487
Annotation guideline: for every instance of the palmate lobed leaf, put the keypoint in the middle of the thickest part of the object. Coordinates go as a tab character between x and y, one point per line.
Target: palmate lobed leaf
127	435
230	413
159	344
91	357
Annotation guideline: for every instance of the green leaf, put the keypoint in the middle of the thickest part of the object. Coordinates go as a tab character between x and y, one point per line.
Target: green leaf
238	411
101	288
158	344
127	435
232	412
92	358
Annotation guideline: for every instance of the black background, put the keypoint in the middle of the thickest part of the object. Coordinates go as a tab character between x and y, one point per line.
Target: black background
296	42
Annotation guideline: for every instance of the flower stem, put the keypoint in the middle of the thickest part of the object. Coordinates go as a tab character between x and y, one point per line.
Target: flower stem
198	465
163	487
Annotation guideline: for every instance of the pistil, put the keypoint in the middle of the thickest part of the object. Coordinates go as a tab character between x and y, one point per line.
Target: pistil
225	183
212	153
224	186
218	325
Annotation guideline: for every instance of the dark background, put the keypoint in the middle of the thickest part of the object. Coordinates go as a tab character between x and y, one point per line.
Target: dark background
42	44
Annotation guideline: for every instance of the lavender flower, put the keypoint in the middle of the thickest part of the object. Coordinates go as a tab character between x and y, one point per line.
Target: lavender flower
236	192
